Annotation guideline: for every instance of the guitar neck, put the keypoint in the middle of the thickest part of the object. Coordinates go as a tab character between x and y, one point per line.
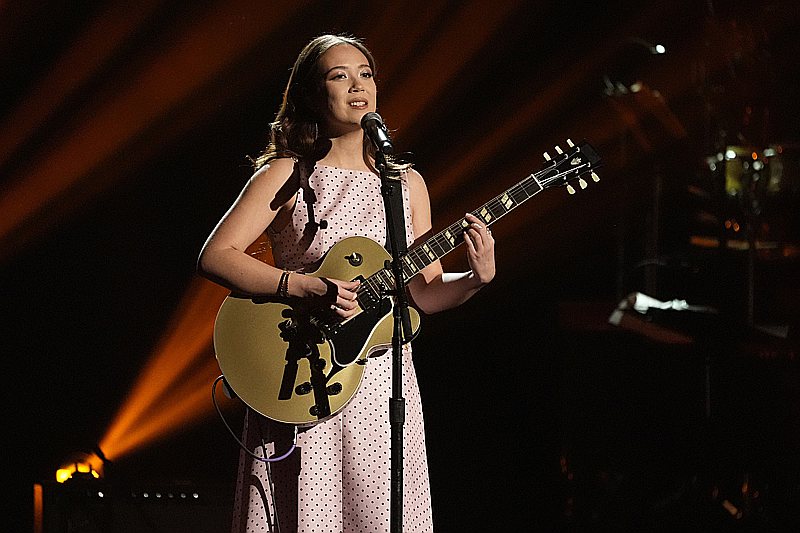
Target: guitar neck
449	238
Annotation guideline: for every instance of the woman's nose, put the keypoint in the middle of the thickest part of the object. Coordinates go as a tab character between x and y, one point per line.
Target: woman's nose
357	85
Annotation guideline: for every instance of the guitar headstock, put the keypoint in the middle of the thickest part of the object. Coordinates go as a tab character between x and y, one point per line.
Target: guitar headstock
570	167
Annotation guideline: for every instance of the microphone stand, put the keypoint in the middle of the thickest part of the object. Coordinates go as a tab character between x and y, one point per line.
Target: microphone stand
392	190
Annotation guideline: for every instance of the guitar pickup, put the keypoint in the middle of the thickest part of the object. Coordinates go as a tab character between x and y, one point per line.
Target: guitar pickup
367	298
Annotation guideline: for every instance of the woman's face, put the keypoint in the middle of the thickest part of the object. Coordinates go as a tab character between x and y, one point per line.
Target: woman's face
349	88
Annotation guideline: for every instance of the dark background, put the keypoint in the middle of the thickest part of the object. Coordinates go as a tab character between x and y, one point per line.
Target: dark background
125	136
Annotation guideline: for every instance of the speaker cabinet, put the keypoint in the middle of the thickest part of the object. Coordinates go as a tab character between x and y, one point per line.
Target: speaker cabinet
92	506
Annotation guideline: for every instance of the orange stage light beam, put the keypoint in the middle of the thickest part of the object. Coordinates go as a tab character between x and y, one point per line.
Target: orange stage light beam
168	391
393	55
446	56
181	410
198	52
105	35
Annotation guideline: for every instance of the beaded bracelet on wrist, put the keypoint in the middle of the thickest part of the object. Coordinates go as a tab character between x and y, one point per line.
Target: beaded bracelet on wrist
283	284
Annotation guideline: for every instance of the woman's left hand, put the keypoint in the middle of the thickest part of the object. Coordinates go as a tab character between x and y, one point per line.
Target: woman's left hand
480	249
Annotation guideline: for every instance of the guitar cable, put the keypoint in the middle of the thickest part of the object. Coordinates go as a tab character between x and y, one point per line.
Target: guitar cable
264	459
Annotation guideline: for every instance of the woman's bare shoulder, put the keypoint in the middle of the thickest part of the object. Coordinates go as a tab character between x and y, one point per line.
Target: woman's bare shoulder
278	169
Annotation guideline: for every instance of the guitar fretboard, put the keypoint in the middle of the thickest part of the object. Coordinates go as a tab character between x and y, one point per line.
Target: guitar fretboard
449	238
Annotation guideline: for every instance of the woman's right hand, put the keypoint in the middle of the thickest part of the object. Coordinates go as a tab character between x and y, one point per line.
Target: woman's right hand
340	295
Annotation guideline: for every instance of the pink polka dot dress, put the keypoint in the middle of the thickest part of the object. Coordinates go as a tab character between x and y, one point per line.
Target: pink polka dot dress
338	478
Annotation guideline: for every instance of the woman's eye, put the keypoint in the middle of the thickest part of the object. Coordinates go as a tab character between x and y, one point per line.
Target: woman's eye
366	74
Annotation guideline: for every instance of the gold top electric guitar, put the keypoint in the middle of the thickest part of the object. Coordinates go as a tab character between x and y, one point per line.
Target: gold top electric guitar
299	364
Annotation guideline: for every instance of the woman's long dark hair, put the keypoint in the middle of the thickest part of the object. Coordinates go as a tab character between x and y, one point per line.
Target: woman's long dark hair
295	131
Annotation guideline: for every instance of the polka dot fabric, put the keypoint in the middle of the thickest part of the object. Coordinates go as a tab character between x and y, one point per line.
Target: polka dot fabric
338	480
350	204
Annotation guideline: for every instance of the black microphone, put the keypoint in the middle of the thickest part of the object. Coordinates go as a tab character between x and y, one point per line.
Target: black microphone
373	125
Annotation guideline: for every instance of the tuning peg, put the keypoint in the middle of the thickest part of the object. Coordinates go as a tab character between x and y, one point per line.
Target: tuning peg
595	177
546	156
570	143
559	150
570	189
582	183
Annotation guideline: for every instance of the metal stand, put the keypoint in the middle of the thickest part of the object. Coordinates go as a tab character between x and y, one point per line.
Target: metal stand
391	190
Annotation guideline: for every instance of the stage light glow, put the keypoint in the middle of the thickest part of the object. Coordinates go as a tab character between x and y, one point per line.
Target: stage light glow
63	474
38	508
104	36
81	464
442	62
173	389
117	118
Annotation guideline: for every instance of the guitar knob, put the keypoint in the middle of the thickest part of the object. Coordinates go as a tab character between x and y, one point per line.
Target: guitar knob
316	410
355	259
334	389
288	330
303	388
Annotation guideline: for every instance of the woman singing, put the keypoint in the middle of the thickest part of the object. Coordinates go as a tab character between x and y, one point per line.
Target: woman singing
314	185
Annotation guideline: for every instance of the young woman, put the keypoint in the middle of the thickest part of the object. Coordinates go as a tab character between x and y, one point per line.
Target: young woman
315	185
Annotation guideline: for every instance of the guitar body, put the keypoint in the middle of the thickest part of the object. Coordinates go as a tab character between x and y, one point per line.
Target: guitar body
300	365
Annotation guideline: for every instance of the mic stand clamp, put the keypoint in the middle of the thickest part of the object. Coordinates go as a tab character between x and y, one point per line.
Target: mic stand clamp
391	190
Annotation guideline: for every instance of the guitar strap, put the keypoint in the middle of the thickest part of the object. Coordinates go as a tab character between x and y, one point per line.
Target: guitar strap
399	220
